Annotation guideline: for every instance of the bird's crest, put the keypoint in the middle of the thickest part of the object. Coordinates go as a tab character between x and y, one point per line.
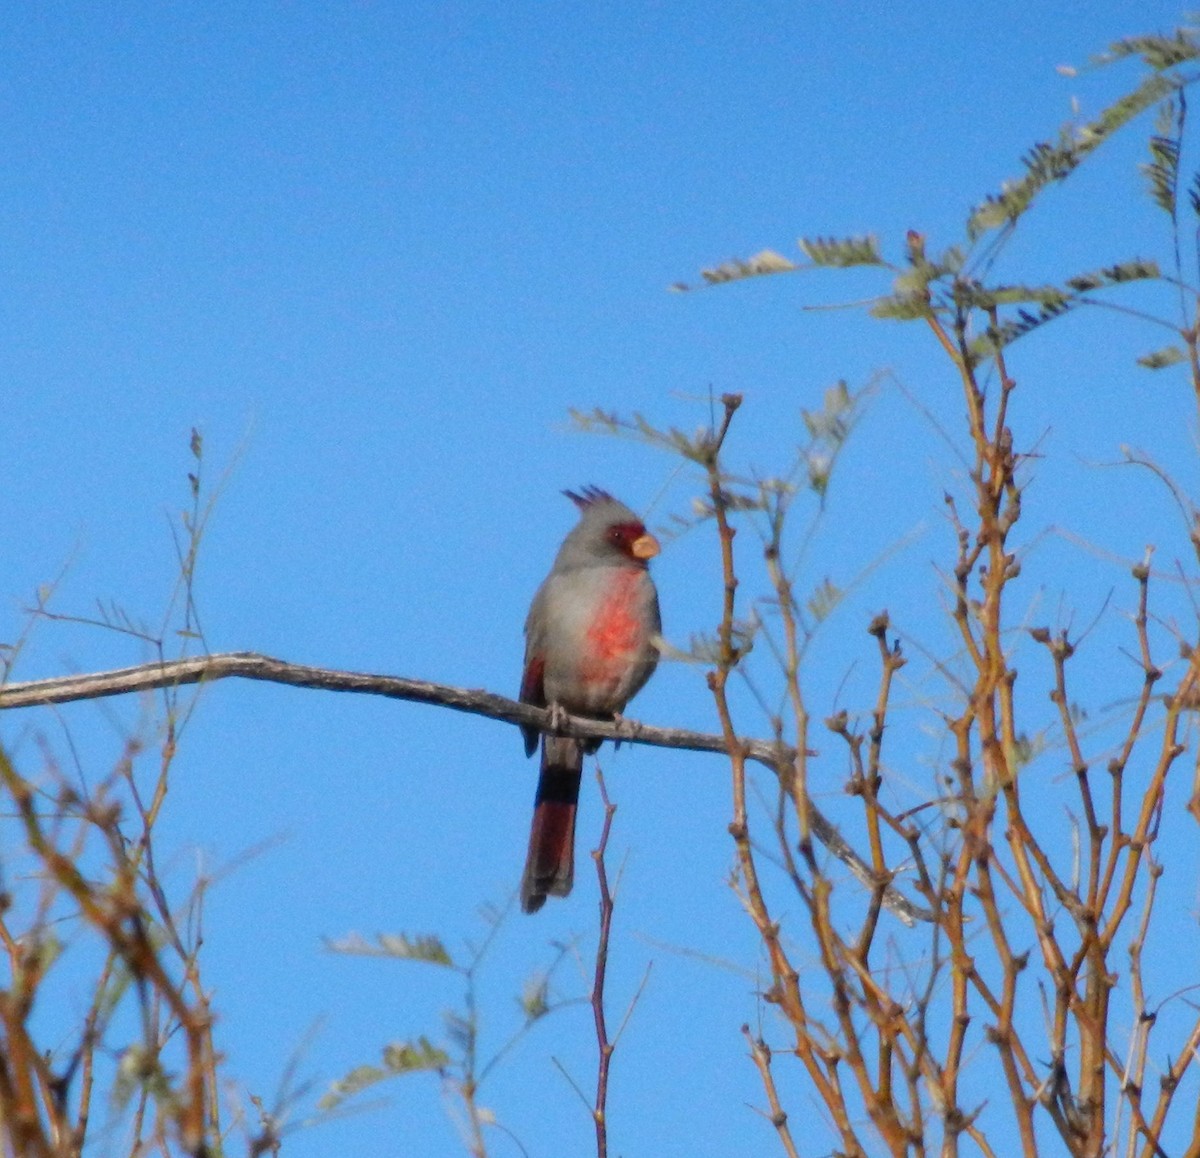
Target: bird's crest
587	496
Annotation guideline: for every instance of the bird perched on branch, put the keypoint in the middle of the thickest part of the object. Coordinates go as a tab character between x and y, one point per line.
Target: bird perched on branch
589	648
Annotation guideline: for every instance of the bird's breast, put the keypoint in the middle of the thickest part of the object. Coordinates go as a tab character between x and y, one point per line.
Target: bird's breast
618	630
613	654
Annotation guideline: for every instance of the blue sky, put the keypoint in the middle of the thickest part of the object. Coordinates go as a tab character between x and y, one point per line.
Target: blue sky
375	252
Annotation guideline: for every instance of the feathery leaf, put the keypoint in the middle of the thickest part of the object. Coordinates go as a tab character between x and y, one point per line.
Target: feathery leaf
843	252
1160	359
1166	144
1046	164
764	262
1158	52
428	949
398	1058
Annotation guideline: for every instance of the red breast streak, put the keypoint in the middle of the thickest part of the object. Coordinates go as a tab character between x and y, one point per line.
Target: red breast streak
617	633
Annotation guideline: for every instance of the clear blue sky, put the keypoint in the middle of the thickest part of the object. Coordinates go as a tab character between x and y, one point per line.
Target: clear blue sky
375	252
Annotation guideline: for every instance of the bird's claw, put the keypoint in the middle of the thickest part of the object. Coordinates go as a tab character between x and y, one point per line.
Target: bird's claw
559	718
621	721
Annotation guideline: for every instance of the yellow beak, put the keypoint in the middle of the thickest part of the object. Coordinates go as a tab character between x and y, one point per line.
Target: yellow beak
644	547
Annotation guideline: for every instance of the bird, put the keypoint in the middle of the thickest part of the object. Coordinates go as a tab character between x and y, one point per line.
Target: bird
590	647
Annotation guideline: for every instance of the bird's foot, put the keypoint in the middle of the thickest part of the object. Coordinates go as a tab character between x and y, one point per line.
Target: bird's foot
559	718
630	725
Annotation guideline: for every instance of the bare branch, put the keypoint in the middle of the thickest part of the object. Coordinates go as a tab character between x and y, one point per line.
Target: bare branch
253	666
606	1047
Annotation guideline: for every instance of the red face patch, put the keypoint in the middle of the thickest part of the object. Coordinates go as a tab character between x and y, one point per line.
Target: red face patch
623	536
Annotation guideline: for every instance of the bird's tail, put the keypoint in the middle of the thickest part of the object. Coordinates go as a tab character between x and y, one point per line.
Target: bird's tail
550	865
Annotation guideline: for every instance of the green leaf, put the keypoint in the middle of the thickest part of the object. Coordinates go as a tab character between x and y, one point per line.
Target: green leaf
1049	163
1162	170
842	253
831	423
398	1058
426	949
996	339
535	997
600	421
1158	52
902	307
1160	359
766	261
139	1069
823	600
406	1058
1051	301
1139	269
953	260
359	1078
971	295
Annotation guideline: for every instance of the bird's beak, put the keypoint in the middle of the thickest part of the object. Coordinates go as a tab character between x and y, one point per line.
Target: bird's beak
644	547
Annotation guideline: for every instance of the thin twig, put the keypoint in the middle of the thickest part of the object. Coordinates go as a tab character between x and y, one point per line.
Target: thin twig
760	1052
606	1047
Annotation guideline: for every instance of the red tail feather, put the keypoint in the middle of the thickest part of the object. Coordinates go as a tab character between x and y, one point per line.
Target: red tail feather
550	865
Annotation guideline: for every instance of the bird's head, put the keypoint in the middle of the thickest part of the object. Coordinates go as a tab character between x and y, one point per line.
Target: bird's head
608	532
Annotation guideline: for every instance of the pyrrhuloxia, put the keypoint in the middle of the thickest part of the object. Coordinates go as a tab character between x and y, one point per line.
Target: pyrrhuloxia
589	648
